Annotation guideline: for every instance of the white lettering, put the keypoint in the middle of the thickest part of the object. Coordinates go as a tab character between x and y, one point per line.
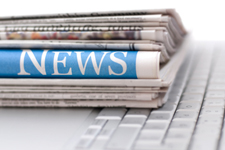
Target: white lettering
93	59
119	61
56	61
41	68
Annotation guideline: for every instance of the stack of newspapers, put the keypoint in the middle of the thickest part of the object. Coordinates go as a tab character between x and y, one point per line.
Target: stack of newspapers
100	59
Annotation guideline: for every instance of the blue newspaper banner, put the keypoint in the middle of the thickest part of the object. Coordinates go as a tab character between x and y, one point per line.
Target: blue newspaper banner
17	63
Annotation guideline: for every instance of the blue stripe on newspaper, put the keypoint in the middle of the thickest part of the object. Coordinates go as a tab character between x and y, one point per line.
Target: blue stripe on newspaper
28	63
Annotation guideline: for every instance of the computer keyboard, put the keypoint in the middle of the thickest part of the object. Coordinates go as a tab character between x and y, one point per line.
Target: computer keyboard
191	119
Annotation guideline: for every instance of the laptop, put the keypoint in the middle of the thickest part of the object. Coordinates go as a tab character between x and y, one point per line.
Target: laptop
191	119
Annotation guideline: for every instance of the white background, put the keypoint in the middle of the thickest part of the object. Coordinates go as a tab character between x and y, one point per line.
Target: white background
204	18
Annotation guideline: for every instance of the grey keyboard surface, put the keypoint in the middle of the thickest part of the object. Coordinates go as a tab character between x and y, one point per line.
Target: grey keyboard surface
191	119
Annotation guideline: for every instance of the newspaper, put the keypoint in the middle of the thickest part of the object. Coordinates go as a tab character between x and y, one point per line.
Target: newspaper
70	87
81	90
170	12
115	19
167	74
135	18
81	96
88	45
79	64
145	18
154	35
85	82
77	103
176	38
94	26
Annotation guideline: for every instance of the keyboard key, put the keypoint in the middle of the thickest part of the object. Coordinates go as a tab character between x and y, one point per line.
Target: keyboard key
91	133
108	129
148	145
202	68
208	125
167	107
212	111
195	90
112	113
173	144
197	83
189	106
98	144
215	94
155	126
200	144
200	130
192	98
188	125
205	136
105	133
185	115
136	112
151	136
123	138
200	72
210	120
173	99
199	77
98	123
178	135
213	103
132	121
156	117
213	87
218	68
178	83
177	91
217	80
180	77
217	75
84	143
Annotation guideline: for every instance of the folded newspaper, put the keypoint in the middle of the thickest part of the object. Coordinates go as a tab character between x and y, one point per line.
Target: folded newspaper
103	59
